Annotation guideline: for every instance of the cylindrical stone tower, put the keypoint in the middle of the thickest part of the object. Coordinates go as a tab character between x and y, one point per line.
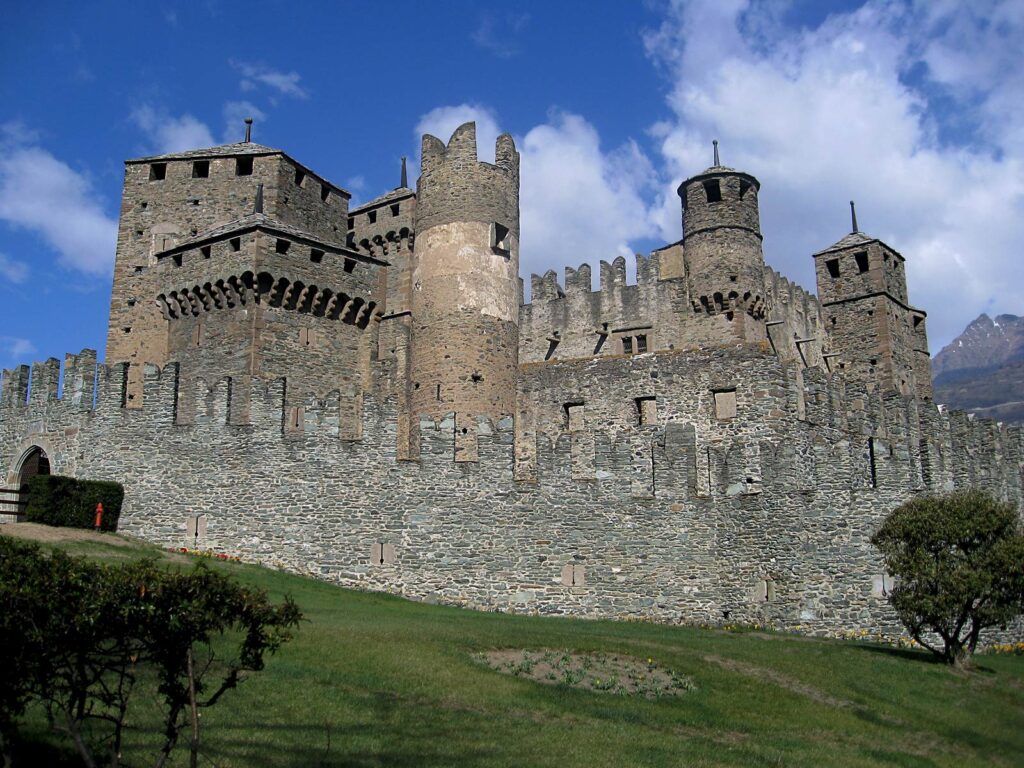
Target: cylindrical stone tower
465	281
722	241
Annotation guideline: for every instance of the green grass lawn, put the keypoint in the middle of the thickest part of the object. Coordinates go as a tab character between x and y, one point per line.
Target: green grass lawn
373	680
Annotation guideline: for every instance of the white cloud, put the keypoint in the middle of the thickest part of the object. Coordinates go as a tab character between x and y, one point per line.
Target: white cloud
256	75
13	270
842	111
44	195
496	33
165	133
579	203
15	351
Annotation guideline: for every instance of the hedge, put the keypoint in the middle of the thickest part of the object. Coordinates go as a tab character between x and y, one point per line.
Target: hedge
70	503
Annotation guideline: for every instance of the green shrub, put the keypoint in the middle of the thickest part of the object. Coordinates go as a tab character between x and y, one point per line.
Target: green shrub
70	503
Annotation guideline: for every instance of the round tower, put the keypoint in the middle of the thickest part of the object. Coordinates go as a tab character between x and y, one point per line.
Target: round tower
722	241
465	280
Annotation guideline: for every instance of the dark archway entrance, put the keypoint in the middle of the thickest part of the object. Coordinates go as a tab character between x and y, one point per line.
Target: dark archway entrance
35	463
13	500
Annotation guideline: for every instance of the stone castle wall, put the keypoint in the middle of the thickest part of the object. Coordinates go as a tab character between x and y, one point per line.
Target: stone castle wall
757	506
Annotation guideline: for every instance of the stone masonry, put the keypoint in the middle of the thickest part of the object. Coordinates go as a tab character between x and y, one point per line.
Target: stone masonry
364	397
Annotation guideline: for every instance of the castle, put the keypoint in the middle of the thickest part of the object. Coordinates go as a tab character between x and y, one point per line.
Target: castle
363	396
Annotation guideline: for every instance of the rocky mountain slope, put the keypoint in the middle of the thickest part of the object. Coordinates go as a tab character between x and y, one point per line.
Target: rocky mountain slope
982	370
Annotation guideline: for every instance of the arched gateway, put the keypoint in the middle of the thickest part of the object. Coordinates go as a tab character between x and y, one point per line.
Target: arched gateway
14	498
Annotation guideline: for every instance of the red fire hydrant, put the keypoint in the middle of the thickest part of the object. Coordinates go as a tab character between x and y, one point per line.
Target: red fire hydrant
99	516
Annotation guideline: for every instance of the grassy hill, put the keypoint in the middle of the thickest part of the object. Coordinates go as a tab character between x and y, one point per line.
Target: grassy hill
373	680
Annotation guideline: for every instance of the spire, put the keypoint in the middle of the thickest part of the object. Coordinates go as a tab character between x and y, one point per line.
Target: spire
248	130
853	216
258	208
405	175
717	161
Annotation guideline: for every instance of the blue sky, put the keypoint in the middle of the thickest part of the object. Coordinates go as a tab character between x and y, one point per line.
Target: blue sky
913	109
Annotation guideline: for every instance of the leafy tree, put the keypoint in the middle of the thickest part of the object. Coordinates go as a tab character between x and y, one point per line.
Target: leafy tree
78	635
959	566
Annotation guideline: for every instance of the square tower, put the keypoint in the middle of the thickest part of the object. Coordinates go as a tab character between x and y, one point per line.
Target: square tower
879	338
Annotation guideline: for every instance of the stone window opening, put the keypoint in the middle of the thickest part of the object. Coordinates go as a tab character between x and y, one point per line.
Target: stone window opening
177	259
574	416
395	208
872	466
200	169
195	530
766	591
744	188
157	171
295	421
132	302
476	377
382	553
300	177
350	265
725	404
206	250
325	193
351	222
438	393
316	255
197	334
236	244
862	261
833	267
282	246
574	575
647	410
126	330
733	278
243	166
713	191
627	345
500	239
371	217
139	270
641	344
307	337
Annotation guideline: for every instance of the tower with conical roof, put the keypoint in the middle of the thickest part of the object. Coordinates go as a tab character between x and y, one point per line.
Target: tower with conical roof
879	339
722	247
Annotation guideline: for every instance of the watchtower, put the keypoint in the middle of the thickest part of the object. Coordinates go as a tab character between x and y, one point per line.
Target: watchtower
465	280
722	246
878	337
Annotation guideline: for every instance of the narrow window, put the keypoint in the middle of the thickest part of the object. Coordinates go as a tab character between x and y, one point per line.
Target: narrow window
243	166
647	411
201	169
206	250
300	176
325	192
316	255
177	259
641	343
627	345
296	418
282	246
439	392
573	575
499	238
871	459
395	208
236	244
862	261
351	222
833	267
574	418
744	188
350	265
158	171
372	217
725	404
197	334
713	191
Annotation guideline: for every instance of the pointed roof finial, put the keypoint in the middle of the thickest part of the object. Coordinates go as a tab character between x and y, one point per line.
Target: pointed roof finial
248	130
405	175
853	217
717	162
258	208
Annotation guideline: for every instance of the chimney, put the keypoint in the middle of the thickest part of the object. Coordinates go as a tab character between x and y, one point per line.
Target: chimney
248	130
